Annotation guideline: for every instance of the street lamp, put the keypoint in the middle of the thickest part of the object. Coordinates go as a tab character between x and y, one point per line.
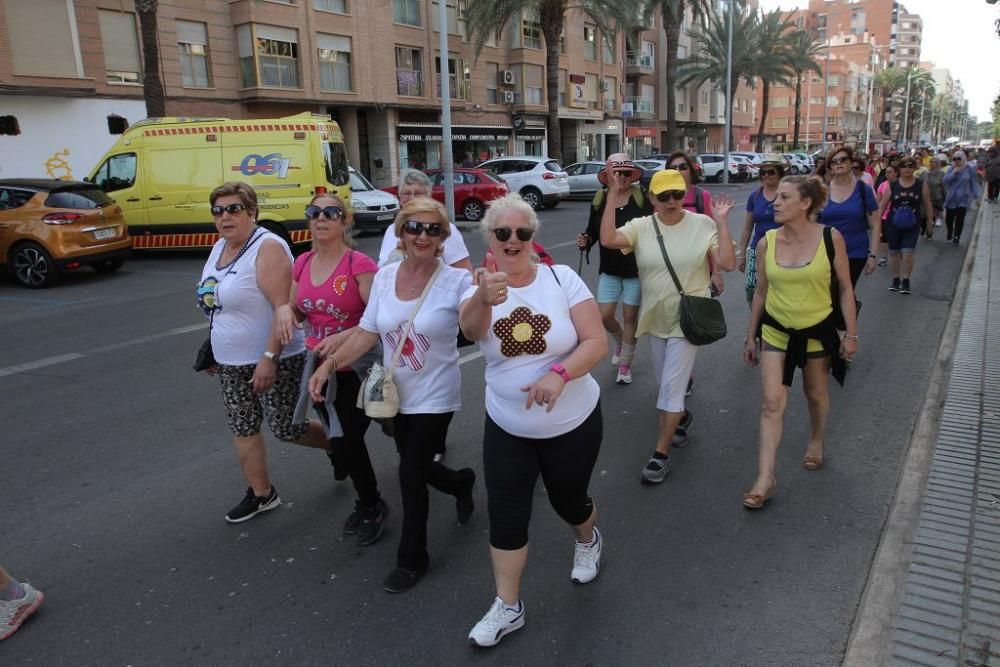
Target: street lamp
729	94
906	108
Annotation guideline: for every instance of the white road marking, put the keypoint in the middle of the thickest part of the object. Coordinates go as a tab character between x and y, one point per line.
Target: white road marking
40	363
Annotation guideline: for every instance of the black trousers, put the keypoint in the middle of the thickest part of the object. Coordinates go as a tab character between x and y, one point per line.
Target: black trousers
512	465
954	220
349	451
857	268
993	188
417	439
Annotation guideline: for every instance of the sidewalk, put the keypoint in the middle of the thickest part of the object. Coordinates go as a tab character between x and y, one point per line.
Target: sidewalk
933	596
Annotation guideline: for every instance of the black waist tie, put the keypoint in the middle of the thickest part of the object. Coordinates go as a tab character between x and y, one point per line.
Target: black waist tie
796	352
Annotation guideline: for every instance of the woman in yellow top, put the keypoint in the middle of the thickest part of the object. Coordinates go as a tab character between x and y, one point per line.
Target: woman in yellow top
793	311
691	240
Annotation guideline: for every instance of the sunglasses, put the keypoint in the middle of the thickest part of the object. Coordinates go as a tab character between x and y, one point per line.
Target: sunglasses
907	165
232	209
958	159
414	228
667	195
331	212
503	233
683	166
840	160
768	172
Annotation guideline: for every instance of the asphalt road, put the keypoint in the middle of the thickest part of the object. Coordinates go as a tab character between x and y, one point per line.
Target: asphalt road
116	468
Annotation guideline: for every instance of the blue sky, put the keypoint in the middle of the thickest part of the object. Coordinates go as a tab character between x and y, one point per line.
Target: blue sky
959	35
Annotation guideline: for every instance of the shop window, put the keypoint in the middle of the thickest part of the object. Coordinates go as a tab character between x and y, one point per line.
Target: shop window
531	32
406	12
409	71
334	62
336	6
192	42
589	42
120	40
42	37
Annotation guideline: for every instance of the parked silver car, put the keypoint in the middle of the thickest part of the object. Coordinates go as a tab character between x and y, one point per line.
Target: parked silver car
582	178
540	180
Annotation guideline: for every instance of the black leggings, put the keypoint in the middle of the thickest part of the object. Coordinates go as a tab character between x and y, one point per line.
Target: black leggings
349	451
857	267
511	466
954	219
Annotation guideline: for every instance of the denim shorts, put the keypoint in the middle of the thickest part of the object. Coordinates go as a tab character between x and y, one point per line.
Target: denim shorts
901	240
612	289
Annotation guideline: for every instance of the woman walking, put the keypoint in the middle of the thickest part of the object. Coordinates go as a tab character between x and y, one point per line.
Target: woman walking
992	168
692	241
330	287
426	372
853	211
246	279
794	313
962	188
760	218
905	205
541	334
935	182
619	276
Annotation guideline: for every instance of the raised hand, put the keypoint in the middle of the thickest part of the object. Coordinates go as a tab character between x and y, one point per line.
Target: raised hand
492	286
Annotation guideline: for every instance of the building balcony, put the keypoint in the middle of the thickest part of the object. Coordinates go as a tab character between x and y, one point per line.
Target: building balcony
642	108
639	64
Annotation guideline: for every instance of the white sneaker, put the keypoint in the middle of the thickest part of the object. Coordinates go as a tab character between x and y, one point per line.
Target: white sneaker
624	374
14	612
616	357
498	621
587	560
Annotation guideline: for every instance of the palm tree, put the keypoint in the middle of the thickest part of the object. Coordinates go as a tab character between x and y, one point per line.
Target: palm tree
919	80
484	16
709	42
890	81
152	85
672	14
771	64
800	55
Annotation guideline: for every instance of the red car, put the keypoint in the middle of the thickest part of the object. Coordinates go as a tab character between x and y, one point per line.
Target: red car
474	190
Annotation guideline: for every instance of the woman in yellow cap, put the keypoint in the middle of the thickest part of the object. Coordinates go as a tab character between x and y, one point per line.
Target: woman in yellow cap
691	240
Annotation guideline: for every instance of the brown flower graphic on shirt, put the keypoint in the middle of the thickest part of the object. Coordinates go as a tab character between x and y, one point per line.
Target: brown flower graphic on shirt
521	332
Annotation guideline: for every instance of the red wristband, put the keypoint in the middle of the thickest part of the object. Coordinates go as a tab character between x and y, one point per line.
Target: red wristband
557	368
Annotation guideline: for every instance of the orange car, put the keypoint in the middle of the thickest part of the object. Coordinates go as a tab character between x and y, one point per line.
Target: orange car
51	226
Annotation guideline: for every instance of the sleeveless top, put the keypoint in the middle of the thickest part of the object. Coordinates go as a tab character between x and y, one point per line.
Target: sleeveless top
796	297
240	313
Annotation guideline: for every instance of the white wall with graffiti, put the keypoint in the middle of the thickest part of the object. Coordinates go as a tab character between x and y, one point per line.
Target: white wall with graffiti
60	137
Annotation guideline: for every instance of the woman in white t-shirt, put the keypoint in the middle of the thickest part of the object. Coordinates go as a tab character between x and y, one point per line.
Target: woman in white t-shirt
245	280
541	333
691	241
426	376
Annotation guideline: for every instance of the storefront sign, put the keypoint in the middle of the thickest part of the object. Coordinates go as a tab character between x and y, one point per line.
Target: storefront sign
459	133
640	131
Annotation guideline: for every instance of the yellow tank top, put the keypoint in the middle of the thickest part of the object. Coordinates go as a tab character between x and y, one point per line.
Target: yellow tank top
797	297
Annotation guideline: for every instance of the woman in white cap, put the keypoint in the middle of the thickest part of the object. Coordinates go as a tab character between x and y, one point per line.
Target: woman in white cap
619	276
962	188
693	240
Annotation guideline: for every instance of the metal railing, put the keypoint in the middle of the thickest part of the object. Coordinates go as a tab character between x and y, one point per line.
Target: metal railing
639	59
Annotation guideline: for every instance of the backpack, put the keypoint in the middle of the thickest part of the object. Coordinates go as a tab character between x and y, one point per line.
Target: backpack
904	217
699	200
838	313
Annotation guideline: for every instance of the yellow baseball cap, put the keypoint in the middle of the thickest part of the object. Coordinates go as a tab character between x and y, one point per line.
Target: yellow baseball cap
667	179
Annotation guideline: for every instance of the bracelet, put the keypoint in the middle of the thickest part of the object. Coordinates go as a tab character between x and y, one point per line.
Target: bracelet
332	359
850	337
561	372
871	255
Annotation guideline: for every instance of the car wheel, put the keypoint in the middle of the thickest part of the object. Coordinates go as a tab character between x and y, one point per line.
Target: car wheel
793	170
533	197
33	267
717	178
109	265
472	210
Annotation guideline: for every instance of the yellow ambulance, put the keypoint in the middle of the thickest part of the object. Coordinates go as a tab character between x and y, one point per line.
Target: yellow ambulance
162	170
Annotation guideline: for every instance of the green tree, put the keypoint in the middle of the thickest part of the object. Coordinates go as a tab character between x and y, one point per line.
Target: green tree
152	84
672	14
709	52
771	62
485	17
916	82
801	52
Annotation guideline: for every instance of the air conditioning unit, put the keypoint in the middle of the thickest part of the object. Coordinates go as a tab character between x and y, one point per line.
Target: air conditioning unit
467	75
507	77
605	86
508	97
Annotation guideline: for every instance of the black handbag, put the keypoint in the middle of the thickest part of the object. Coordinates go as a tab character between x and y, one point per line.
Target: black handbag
702	319
205	358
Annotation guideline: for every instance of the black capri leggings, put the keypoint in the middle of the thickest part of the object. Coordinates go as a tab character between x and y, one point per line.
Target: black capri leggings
512	464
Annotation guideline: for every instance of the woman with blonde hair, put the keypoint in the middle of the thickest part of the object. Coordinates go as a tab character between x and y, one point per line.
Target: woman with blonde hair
426	373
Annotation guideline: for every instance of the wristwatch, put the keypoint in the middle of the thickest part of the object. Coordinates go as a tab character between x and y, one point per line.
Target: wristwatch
270	355
559	370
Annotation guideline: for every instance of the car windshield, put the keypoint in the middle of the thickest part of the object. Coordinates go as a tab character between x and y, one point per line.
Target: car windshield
87	198
490	177
359	183
552	165
335	159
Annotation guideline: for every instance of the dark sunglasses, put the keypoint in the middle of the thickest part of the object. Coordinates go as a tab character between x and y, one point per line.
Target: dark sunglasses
957	159
331	212
670	194
840	160
414	228
768	172
907	165
683	166
232	209
503	234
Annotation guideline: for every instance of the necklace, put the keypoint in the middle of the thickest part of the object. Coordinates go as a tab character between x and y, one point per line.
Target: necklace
236	258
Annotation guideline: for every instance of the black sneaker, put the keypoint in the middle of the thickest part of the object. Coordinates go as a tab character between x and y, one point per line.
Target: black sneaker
904	287
353	520
681	434
954	240
402	579
894	287
372	523
464	505
252	505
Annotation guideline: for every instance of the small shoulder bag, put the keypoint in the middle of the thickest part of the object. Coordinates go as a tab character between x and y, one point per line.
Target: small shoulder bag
702	319
379	397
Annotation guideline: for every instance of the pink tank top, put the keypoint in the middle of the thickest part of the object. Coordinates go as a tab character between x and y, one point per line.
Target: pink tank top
336	305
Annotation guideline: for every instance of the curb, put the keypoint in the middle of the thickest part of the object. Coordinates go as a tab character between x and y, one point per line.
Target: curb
870	641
